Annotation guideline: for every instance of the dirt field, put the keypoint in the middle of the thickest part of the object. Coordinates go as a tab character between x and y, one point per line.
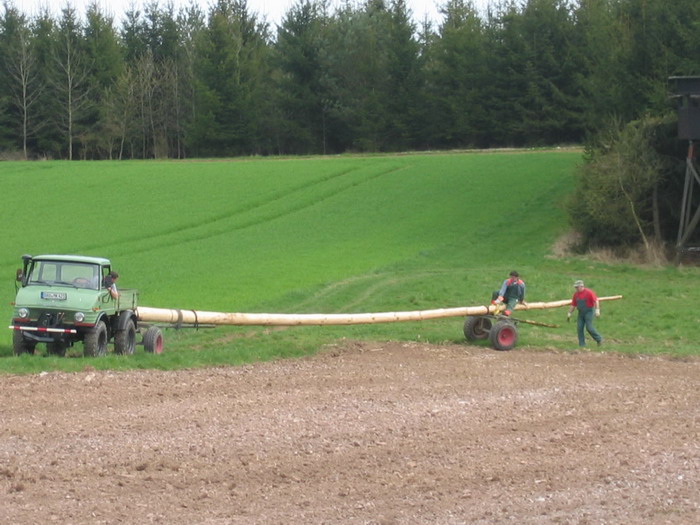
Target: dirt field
361	434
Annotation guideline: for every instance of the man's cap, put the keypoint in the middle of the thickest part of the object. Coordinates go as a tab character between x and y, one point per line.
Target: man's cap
578	283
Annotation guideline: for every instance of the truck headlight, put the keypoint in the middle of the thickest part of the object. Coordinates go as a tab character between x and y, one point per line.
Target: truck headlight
23	313
79	317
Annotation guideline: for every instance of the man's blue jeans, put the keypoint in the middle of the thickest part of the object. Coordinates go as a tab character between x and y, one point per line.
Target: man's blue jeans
585	319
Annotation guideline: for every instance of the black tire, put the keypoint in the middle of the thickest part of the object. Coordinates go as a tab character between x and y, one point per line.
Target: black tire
504	335
477	327
57	348
125	340
20	345
95	342
153	340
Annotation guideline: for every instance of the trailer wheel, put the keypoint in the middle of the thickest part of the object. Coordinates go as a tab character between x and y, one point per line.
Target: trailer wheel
125	340
504	335
20	345
153	340
477	327
95	342
56	348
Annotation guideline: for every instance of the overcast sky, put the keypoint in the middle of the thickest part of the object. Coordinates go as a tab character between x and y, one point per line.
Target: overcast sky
273	10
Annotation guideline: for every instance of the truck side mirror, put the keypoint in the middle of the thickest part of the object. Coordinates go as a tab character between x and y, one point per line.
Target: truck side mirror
19	274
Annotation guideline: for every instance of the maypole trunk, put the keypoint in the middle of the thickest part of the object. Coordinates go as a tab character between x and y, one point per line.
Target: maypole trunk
195	317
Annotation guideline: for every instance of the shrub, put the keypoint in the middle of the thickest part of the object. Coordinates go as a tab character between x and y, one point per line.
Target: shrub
629	188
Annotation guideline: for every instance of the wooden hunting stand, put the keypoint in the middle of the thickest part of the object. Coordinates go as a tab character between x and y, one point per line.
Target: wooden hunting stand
687	92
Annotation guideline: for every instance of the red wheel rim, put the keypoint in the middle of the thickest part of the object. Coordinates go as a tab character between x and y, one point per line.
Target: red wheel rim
158	346
506	336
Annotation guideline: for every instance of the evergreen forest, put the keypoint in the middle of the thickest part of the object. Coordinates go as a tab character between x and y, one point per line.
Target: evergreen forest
362	77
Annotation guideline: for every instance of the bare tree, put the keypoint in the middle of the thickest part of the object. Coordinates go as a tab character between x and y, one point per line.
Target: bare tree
26	87
72	75
173	106
145	93
119	112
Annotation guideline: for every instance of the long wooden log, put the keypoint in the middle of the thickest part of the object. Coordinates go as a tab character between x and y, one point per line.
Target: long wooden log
180	316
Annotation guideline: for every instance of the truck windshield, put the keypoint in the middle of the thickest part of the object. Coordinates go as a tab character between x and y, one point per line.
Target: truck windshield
63	273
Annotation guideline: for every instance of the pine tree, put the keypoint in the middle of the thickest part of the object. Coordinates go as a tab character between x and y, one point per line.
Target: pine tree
301	94
233	75
459	79
104	57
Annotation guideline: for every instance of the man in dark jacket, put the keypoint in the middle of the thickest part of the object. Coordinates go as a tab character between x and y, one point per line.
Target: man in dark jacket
110	283
511	293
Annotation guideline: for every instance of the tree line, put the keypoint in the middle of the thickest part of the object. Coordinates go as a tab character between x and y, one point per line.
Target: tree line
166	83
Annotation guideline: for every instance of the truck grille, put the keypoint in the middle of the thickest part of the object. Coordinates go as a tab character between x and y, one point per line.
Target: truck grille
50	319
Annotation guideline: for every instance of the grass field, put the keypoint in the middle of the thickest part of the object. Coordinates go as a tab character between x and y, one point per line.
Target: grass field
341	234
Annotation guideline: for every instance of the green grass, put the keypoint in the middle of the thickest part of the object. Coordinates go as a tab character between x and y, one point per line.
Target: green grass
342	234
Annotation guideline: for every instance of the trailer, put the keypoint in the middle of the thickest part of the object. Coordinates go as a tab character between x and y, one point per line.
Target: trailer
500	330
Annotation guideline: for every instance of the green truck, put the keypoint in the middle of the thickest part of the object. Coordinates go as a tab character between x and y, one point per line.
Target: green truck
64	299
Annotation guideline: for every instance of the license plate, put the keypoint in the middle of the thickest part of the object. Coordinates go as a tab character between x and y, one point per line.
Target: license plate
60	296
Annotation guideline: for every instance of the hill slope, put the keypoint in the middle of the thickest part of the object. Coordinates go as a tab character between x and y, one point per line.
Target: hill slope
340	234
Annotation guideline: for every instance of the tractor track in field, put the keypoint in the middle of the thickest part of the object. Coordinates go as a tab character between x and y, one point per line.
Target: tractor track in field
377	282
362	433
290	201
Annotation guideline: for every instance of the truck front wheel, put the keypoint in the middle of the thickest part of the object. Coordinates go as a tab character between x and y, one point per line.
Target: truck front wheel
125	340
95	342
21	345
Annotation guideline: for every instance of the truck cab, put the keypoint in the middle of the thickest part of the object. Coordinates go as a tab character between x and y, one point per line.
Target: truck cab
62	299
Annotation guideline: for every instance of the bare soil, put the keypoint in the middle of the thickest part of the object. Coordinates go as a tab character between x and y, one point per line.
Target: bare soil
362	433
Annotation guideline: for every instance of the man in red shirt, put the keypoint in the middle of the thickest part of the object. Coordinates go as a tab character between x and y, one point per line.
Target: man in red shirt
588	305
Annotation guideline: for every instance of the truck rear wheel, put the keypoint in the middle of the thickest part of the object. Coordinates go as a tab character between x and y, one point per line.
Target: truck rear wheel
95	342
20	345
125	340
153	340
